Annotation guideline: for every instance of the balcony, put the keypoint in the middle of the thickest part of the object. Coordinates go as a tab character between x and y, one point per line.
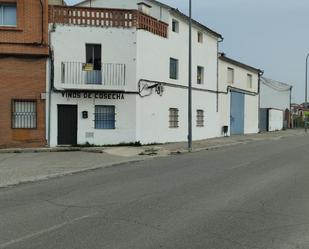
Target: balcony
85	76
102	17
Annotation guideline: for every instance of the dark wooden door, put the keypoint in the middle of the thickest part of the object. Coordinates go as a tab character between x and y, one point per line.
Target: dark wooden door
67	124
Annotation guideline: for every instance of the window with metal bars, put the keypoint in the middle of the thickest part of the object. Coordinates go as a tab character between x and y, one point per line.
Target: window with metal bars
24	114
173	118
8	14
200	118
104	117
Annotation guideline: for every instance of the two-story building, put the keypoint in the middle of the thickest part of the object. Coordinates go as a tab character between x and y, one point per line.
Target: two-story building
119	74
23	55
239	96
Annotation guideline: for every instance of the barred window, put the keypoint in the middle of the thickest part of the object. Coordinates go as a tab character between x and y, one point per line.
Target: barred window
174	115
200	118
104	117
24	114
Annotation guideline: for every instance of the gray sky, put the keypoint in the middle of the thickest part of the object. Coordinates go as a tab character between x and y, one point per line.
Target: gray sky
269	34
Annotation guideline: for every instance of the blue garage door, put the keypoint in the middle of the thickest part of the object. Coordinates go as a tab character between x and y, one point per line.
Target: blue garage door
237	113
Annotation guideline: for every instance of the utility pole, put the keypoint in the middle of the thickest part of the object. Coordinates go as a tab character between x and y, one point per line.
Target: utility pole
190	80
306	91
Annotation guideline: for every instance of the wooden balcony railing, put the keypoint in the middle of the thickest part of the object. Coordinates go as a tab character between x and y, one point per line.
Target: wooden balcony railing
102	17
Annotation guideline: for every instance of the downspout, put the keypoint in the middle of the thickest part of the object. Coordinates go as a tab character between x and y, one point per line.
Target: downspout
42	21
217	97
51	82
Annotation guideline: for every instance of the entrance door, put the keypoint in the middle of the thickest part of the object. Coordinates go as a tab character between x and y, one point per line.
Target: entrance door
237	113
67	124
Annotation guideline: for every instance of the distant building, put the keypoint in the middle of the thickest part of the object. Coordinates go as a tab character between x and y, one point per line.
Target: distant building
275	105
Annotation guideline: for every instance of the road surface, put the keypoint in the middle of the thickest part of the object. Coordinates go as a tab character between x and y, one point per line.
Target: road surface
247	196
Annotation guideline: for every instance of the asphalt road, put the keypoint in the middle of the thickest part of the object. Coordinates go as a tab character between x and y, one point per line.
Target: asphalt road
248	196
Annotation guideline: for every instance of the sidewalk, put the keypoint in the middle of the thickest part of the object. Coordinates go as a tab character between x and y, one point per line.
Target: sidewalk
28	165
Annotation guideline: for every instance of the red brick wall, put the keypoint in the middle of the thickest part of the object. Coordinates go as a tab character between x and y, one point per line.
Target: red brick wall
23	71
26	37
22	78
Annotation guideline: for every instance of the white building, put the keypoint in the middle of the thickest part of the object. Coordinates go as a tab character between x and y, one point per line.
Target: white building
121	76
239	96
275	104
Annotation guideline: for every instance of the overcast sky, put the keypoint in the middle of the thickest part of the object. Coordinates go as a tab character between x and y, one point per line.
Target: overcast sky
269	34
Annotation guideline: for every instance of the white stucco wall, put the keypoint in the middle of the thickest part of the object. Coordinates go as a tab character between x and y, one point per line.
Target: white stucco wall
155	11
118	46
272	98
251	114
117	4
154	53
146	56
153	113
125	131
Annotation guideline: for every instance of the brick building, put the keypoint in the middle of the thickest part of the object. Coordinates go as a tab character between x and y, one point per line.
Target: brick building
23	55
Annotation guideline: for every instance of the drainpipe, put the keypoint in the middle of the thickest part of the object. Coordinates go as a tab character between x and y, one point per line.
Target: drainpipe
51	82
42	21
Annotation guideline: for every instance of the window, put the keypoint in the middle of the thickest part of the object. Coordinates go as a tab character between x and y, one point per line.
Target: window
8	15
200	118
230	75
93	55
174	118
175	26
104	117
24	114
93	59
200	75
173	68
249	80
200	37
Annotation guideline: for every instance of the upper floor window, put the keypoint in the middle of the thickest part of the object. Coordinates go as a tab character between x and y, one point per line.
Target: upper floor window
200	37
249	80
230	75
175	26
8	15
93	55
200	75
173	69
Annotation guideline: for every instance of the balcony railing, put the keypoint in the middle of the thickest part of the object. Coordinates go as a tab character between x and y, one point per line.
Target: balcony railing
77	75
102	17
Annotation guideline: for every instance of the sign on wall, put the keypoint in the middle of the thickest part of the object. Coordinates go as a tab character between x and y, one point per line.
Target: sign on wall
93	95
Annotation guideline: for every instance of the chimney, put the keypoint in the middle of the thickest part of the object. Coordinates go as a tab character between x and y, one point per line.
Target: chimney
144	7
